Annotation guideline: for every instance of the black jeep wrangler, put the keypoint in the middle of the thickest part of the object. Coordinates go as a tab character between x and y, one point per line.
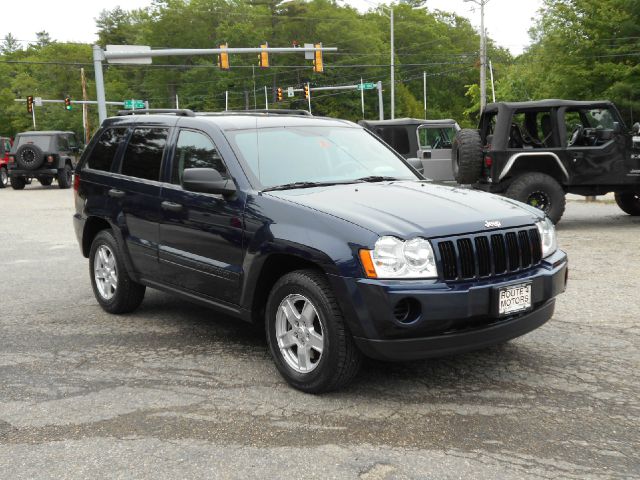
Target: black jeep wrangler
43	155
536	152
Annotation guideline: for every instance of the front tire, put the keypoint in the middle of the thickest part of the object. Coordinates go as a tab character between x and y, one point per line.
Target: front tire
65	177
309	341
4	178
115	291
629	203
541	191
18	183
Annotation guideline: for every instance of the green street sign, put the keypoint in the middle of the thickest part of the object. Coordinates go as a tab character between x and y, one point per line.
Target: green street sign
133	104
366	86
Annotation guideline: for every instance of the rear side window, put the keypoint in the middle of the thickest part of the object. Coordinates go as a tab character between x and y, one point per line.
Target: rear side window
105	149
143	156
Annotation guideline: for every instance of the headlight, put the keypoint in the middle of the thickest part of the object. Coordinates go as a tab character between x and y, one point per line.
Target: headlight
547	237
395	258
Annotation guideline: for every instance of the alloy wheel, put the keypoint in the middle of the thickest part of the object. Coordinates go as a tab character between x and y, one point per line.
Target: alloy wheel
105	272
300	333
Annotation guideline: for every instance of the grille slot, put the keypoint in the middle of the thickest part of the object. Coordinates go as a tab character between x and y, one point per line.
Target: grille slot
514	251
525	249
467	260
449	263
499	254
486	255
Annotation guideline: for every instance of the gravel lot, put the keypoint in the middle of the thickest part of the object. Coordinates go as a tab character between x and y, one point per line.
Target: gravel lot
177	391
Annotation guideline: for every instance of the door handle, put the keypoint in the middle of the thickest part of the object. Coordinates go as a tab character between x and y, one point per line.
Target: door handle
170	206
116	193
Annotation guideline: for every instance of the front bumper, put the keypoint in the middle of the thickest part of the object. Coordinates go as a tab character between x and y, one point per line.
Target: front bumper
454	317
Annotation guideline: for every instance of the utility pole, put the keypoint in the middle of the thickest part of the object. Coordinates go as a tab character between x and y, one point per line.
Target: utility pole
362	96
85	112
424	92
483	54
380	104
493	87
393	70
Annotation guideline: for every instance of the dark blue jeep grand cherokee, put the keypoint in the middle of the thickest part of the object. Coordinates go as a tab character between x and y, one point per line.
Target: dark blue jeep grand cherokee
314	228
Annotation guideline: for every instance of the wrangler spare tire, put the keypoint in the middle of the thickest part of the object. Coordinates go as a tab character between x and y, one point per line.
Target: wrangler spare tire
29	156
466	156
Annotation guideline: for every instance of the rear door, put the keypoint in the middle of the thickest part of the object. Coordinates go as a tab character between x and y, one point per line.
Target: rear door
135	195
200	234
434	143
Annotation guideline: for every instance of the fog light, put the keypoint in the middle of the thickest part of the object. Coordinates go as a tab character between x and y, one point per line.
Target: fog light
407	310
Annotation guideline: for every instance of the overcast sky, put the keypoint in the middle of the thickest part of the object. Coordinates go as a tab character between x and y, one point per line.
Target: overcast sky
507	21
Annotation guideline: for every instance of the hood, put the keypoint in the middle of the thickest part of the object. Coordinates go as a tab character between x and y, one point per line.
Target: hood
407	208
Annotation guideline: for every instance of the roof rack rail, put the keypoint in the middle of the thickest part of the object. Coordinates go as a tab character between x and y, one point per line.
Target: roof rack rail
182	112
277	111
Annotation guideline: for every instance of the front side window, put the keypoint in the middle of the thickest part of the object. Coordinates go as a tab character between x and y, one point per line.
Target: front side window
104	151
436	138
195	150
590	126
143	156
279	155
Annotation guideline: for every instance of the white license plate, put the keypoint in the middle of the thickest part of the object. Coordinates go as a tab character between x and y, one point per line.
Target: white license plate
514	298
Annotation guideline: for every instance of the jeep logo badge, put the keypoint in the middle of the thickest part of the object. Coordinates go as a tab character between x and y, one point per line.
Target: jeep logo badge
492	224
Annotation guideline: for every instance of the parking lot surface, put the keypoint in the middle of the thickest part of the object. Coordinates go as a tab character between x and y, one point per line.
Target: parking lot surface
178	391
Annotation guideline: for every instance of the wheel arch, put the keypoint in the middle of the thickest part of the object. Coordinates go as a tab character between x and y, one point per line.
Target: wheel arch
272	267
538	162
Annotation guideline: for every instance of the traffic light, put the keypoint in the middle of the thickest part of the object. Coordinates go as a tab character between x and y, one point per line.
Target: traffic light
264	56
67	103
279	94
223	58
318	66
30	103
306	91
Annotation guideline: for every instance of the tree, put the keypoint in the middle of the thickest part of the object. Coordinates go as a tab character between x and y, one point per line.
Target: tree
9	45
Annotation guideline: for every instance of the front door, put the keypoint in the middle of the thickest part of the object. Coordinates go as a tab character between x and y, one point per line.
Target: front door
434	143
599	152
200	234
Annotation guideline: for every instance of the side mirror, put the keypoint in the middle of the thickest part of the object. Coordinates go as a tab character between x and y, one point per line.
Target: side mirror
636	128
417	164
616	127
207	180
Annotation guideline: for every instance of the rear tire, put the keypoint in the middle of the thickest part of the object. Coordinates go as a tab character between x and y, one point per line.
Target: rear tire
65	177
18	183
45	181
4	177
541	191
115	291
629	203
466	156
319	323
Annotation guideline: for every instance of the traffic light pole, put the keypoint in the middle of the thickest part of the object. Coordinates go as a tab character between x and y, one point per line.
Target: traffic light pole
140	54
33	116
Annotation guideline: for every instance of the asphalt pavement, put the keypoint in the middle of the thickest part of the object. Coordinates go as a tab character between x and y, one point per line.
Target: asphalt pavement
179	391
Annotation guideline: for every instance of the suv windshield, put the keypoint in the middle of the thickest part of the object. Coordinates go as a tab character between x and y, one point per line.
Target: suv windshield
286	155
41	141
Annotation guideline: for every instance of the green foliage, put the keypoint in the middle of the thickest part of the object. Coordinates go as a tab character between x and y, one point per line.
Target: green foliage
582	50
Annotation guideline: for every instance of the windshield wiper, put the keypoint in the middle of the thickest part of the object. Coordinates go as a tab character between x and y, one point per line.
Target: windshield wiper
289	186
375	178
